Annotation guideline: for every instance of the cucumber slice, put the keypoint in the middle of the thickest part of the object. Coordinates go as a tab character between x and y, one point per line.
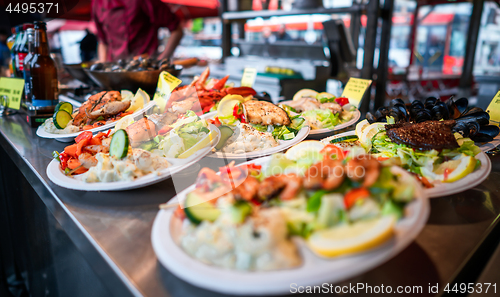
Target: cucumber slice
66	106
349	138
239	211
61	119
119	144
225	133
288	136
198	209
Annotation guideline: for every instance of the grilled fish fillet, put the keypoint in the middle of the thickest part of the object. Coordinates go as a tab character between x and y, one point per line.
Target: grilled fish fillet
265	113
101	104
425	136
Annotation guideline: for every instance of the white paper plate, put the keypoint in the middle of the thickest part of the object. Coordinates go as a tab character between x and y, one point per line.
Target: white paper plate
57	176
445	189
314	270
71	137
283	144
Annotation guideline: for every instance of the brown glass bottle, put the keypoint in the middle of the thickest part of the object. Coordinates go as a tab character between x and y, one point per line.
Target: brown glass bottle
44	88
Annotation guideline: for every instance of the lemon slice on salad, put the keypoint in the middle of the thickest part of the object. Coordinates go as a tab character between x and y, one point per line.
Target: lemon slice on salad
367	134
352	238
305	93
451	171
124	122
304	149
199	145
226	106
361	126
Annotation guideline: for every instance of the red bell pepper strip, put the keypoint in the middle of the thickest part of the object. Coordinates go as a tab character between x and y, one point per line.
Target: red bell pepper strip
84	135
342	101
354	195
64	157
221	83
243	91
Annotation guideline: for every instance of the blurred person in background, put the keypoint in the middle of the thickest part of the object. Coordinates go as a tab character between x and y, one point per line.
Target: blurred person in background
127	28
4	53
88	46
282	35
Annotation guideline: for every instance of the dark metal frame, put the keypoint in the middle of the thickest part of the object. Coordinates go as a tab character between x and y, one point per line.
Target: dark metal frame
373	13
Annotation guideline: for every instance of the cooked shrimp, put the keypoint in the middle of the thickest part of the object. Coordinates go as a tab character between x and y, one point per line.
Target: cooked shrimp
185	105
97	148
305	104
87	160
364	167
334	107
141	130
327	174
248	189
287	186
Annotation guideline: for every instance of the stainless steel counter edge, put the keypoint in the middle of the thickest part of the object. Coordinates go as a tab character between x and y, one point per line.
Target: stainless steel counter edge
80	237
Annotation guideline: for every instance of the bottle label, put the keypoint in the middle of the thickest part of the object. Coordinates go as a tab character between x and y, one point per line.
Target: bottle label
20	61
44	103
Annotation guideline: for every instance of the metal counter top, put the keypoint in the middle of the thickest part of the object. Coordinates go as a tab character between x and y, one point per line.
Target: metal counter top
112	229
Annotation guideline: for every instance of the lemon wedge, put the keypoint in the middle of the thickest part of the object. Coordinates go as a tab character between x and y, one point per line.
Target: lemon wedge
140	99
226	106
361	126
451	171
304	149
353	238
305	93
126	95
199	145
365	138
124	122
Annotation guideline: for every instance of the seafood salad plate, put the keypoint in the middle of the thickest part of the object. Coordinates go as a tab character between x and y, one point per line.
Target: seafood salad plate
435	141
276	220
99	113
324	112
203	94
135	154
252	128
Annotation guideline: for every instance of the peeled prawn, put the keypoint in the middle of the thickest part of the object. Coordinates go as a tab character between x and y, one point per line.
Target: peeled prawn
87	160
248	189
327	174
365	168
287	186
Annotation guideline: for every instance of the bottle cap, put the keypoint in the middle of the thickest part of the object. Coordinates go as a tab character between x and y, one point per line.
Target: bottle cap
40	25
26	26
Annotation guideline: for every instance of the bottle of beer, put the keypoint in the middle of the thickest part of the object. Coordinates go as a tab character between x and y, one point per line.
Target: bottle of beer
44	88
22	50
27	65
13	50
10	45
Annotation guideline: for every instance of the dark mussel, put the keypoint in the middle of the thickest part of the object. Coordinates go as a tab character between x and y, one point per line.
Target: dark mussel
488	131
97	66
397	101
371	119
457	107
381	114
481	117
422	116
404	114
116	68
417	104
471	111
440	111
467	129
122	63
430	102
163	62
482	137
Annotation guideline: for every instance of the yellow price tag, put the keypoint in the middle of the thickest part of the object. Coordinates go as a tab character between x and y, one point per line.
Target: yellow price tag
166	84
494	109
13	89
355	89
249	75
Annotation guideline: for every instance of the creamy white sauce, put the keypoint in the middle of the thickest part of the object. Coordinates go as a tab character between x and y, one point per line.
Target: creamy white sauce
260	243
136	164
49	127
247	139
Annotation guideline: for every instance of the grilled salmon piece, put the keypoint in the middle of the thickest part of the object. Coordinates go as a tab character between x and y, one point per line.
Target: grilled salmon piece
265	113
101	104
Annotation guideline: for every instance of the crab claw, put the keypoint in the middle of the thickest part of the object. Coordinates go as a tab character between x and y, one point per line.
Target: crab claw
243	91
